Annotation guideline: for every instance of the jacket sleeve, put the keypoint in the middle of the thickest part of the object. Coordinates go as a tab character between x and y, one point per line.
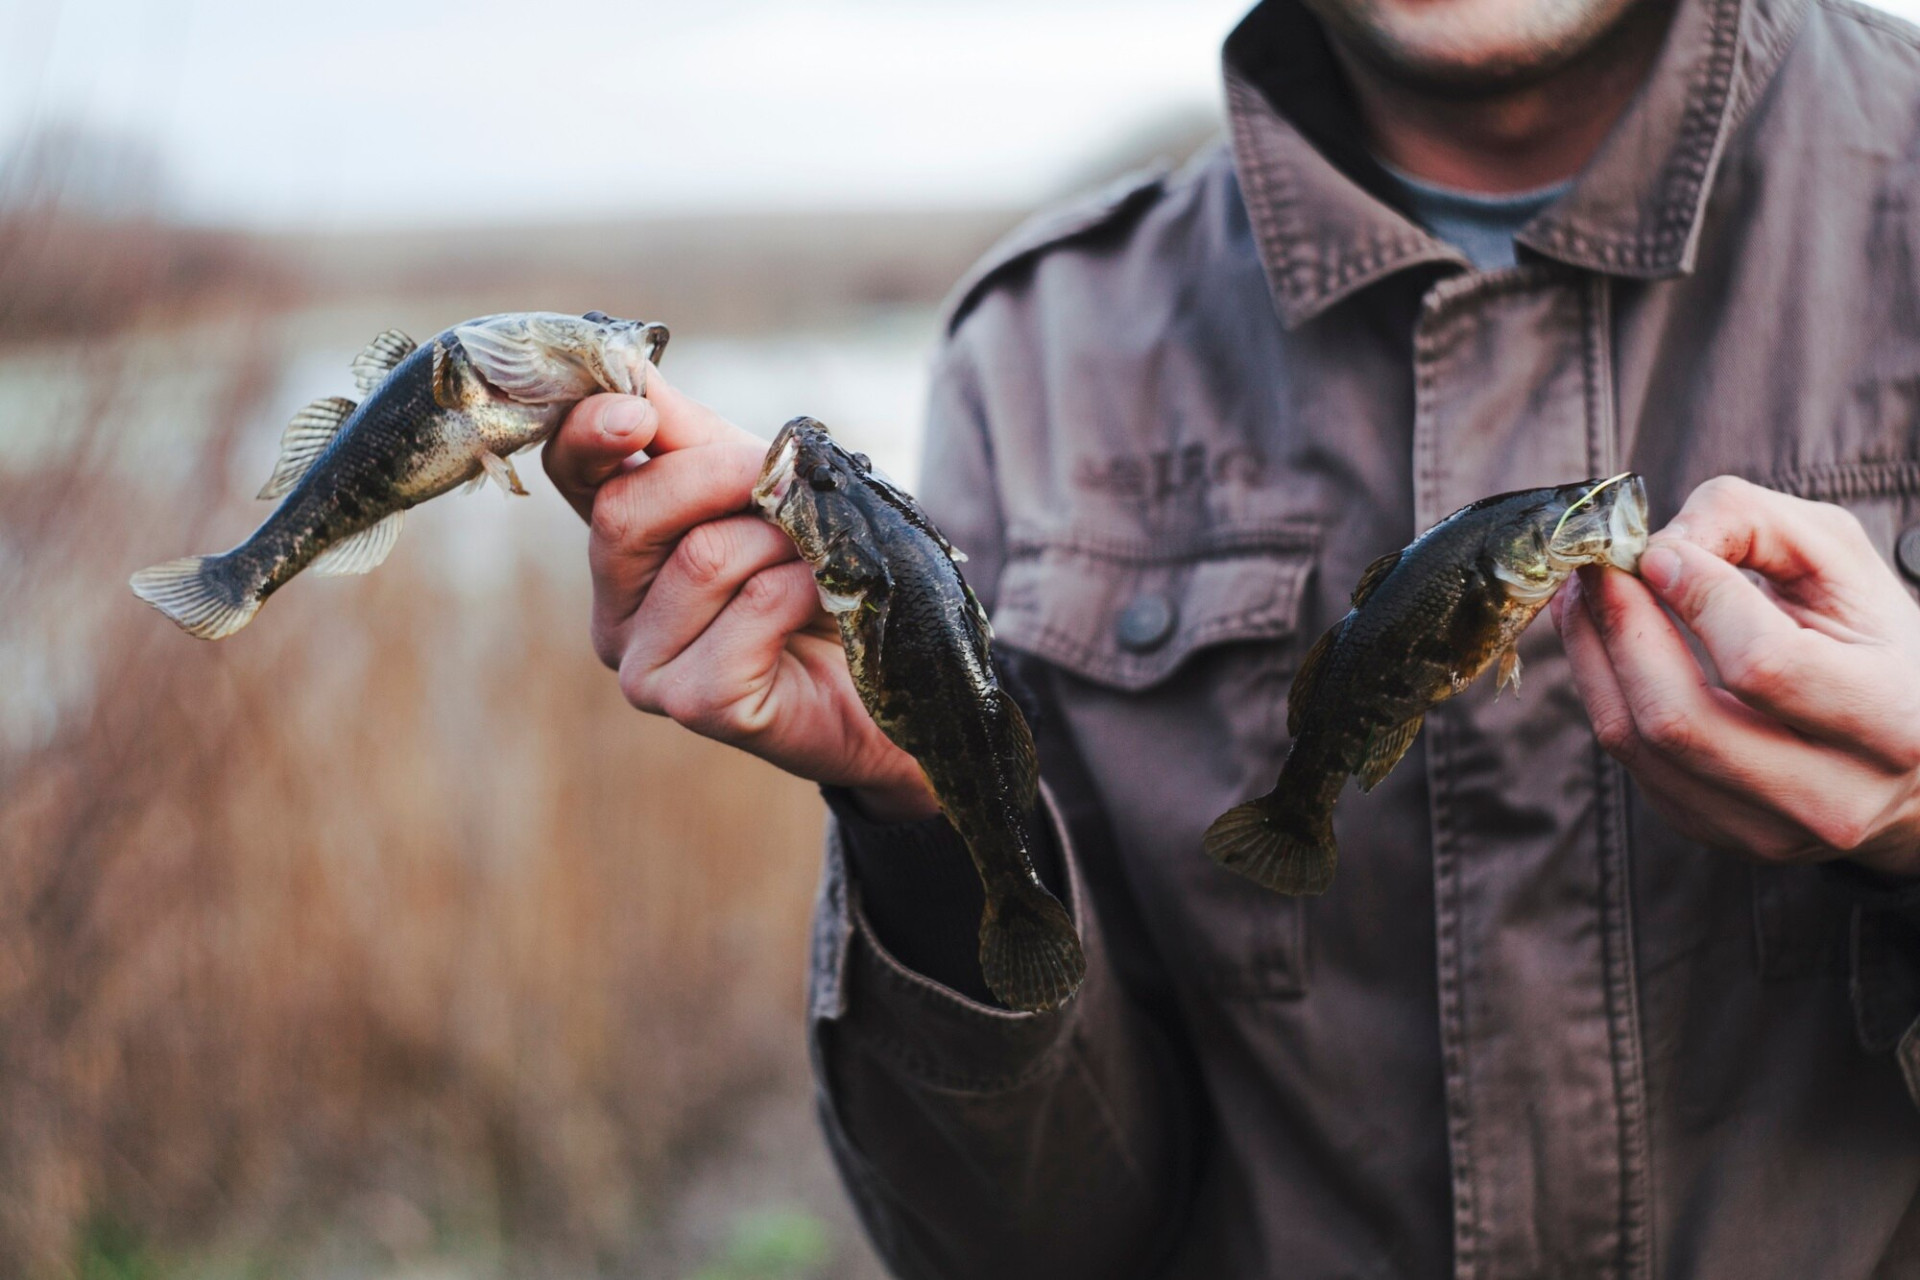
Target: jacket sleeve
975	1141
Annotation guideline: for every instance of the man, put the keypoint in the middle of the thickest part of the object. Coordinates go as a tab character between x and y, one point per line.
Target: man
1567	1011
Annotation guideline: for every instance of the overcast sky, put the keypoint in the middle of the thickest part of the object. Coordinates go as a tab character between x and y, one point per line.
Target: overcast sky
385	112
394	111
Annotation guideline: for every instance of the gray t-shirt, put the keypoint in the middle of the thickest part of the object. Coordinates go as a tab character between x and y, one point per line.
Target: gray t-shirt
1480	226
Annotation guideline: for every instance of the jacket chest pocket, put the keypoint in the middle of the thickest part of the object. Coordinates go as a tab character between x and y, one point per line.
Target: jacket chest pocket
1174	658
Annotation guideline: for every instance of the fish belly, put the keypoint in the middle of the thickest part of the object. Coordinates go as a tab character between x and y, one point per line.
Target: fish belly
454	457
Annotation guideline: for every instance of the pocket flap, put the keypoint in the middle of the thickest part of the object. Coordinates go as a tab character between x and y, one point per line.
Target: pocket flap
1126	613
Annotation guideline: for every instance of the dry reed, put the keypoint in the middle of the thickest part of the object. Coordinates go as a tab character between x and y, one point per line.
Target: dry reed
387	910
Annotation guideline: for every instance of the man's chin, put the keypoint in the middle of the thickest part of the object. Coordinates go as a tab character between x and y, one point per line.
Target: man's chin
1470	48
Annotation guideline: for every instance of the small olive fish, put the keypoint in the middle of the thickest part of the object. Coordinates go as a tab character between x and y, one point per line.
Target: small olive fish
916	641
433	418
1425	622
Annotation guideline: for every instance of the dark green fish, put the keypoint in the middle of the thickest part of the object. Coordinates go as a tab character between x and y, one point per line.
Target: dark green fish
916	640
1425	622
433	418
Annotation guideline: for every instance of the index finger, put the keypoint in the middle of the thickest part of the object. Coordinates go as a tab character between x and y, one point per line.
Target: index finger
602	432
1814	554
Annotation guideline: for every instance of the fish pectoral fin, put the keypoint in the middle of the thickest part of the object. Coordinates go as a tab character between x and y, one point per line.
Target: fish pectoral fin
379	357
1375	574
492	464
363	552
446	380
1509	673
514	360
305	439
1385	750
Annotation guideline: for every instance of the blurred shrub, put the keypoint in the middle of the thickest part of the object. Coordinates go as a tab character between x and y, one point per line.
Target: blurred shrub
385	911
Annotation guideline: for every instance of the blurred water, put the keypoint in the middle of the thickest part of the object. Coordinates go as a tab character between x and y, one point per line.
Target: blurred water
162	390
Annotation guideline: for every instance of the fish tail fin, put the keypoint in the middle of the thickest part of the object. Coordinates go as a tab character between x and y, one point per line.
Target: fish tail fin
1279	840
201	593
1029	952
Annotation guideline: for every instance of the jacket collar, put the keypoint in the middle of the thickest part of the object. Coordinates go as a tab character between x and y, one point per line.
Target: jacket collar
1323	211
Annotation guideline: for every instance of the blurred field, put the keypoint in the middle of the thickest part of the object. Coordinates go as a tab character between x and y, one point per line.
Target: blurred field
385	934
384	939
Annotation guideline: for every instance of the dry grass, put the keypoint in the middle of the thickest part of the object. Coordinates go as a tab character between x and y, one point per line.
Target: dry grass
386	911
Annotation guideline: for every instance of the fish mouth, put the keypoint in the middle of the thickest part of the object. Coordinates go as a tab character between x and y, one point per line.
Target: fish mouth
776	474
1627	525
1617	505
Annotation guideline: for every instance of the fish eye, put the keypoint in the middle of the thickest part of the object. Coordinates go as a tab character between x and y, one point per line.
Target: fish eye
598	317
823	477
862	463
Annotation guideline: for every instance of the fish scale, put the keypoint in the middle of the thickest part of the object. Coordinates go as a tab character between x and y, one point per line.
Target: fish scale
1425	622
917	647
434	417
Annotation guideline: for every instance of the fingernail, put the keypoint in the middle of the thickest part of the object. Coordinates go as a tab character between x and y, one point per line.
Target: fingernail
1660	566
622	418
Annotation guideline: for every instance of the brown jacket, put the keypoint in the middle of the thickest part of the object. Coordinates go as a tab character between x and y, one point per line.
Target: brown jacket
1530	1032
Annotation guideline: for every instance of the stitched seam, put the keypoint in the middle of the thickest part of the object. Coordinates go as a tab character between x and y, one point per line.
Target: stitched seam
1222	544
911	1059
1269	206
1684	177
1866	17
1623	1017
1453	1019
1842	481
1087	660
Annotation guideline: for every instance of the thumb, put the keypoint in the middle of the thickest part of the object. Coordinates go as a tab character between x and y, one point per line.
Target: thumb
684	422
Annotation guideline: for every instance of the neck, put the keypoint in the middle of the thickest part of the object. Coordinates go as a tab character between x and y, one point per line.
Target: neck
1509	139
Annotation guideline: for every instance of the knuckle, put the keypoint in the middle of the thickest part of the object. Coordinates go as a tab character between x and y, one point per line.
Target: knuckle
1721	491
638	686
683	702
608	647
1840	519
764	591
1907	748
1843	829
705	553
614	520
1761	668
1615	732
1668	730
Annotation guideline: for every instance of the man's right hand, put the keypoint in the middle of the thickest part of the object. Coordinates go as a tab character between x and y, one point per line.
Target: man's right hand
704	608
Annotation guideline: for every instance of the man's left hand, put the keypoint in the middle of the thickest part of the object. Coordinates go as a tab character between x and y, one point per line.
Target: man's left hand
1811	750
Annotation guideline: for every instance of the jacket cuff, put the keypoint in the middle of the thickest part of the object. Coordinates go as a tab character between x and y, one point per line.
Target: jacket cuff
918	891
924	1028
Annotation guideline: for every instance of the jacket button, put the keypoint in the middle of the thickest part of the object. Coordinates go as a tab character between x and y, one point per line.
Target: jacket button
1908	553
1146	623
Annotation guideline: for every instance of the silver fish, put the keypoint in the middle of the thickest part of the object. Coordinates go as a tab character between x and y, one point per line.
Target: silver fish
433	418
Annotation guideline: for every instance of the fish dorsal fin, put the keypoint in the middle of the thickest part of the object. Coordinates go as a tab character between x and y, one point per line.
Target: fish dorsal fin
305	439
363	552
1374	575
1385	749
378	358
1305	679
